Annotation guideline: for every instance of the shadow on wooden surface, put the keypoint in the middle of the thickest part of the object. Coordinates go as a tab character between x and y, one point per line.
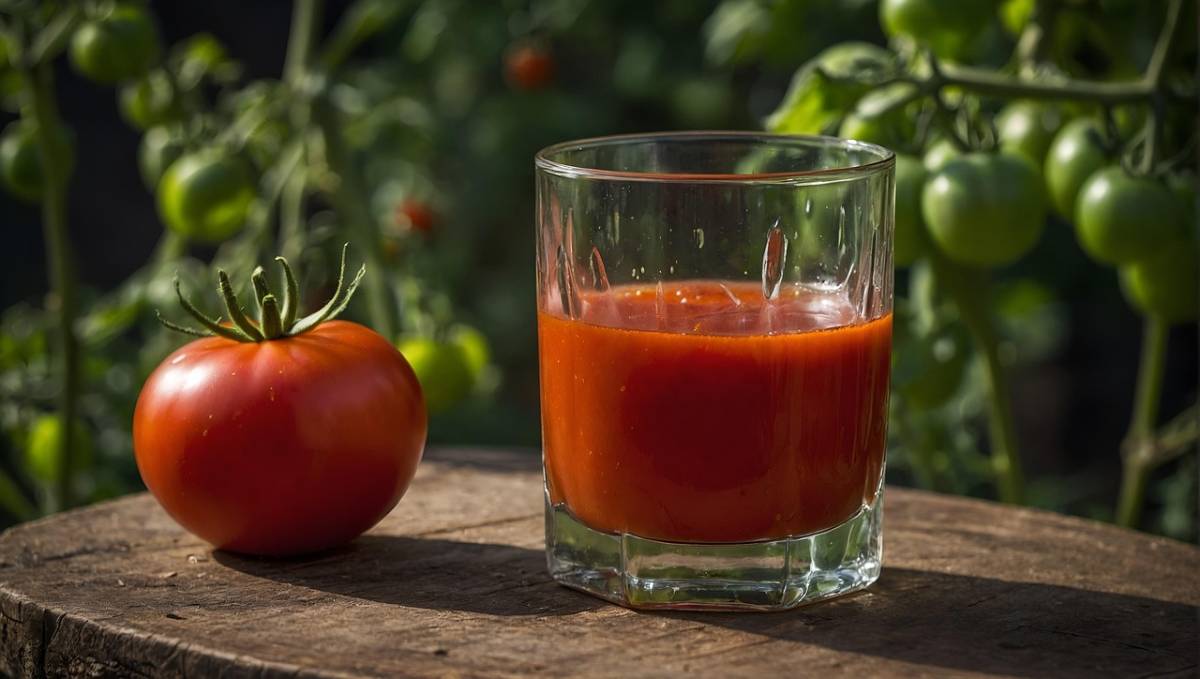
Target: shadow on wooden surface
427	573
955	622
968	623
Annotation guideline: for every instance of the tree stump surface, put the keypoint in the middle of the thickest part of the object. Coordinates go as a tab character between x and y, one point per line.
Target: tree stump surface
454	583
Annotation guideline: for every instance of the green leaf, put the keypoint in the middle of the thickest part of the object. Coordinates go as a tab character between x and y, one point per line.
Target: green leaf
827	87
109	319
364	19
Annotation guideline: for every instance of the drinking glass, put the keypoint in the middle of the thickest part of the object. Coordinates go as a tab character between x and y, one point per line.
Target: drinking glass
714	337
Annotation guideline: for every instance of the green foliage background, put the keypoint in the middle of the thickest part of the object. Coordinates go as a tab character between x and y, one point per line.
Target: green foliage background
428	115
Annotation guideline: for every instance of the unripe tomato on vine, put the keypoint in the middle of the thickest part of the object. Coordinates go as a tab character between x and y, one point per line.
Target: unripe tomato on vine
116	46
21	161
1121	218
206	195
1077	152
148	102
443	369
985	210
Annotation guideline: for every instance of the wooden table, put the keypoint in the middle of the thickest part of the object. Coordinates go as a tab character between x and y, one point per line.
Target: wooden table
453	583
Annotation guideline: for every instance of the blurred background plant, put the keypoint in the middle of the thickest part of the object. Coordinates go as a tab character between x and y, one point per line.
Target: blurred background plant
150	142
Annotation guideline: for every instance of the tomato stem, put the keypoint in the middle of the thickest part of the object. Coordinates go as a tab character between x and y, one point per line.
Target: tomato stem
259	281
213	325
291	294
1139	441
273	322
234	308
1154	79
970	291
38	82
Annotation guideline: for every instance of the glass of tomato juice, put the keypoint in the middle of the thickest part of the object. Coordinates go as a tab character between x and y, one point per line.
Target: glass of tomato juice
714	334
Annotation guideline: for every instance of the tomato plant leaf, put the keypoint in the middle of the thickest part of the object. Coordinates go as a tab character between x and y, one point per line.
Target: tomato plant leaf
827	87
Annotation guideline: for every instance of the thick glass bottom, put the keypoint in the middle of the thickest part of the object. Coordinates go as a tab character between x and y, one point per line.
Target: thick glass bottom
769	575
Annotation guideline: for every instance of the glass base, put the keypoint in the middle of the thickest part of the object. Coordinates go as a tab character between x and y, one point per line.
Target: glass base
770	575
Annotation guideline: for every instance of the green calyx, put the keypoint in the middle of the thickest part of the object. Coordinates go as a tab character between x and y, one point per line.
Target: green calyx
276	318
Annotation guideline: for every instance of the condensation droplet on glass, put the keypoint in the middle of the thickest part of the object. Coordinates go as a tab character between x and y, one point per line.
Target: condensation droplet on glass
774	256
599	275
699	235
841	234
808	207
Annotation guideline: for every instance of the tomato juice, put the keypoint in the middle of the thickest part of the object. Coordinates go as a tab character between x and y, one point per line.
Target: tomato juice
699	411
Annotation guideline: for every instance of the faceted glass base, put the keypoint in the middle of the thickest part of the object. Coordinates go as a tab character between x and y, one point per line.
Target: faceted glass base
757	576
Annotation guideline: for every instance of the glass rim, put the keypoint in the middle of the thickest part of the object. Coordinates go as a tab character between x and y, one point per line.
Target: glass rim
886	158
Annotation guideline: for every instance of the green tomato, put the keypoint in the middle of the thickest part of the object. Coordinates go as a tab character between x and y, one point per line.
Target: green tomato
1120	219
938	153
474	346
1077	153
442	368
158	149
206	195
1027	128
985	210
21	161
948	27
119	46
43	454
889	131
149	101
1166	283
873	122
910	241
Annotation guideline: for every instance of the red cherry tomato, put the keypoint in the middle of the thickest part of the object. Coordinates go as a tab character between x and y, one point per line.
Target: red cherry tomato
284	446
415	214
528	67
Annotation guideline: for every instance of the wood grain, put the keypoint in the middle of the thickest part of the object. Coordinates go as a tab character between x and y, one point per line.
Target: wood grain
453	583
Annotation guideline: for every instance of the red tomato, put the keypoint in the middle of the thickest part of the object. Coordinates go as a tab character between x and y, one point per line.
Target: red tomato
416	214
285	446
528	67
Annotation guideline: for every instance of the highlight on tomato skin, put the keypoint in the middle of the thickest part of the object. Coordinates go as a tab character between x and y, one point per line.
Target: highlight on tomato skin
294	437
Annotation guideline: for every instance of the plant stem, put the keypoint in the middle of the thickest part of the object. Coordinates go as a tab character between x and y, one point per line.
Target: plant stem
291	216
1153	78
990	83
39	83
351	199
300	40
350	196
1136	466
970	291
